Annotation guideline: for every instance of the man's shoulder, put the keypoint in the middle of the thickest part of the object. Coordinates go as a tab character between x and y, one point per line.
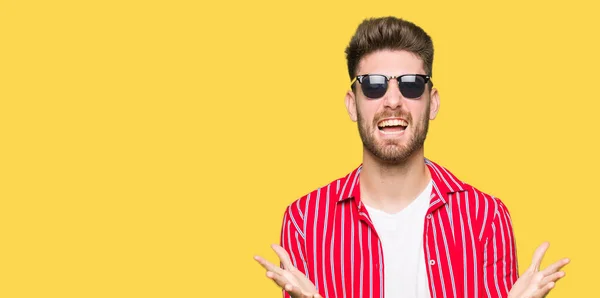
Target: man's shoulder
465	191
330	193
471	192
483	210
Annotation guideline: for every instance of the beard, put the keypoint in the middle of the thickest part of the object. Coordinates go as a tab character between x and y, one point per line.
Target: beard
390	151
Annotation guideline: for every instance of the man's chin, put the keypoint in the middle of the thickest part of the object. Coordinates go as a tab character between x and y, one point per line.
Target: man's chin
394	153
389	155
391	145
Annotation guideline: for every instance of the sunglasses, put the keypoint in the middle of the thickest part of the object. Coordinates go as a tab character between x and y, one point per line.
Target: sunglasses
375	85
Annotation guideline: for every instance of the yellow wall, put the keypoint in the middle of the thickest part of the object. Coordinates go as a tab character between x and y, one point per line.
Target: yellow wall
149	148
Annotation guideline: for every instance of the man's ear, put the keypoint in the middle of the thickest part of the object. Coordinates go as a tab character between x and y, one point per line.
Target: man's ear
435	104
350	101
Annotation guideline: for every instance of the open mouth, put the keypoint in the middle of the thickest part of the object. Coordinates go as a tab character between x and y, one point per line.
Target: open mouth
392	126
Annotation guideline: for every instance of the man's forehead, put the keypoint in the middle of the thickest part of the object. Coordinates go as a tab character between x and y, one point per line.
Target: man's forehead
390	62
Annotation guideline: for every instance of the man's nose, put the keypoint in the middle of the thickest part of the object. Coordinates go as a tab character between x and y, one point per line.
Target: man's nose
393	97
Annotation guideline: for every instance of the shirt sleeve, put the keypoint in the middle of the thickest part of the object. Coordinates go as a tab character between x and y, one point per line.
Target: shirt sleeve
293	240
500	270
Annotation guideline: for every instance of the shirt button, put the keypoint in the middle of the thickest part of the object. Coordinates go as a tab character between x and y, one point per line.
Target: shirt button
431	262
429	216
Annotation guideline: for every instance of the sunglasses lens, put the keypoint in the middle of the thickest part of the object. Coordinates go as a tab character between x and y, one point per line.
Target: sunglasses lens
374	86
412	86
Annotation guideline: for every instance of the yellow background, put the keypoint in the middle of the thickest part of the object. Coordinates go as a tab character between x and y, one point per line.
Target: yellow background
149	148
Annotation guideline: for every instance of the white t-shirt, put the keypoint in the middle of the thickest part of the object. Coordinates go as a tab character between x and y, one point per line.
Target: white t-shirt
401	236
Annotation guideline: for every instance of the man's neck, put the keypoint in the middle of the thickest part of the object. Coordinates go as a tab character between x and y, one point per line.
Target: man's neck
391	188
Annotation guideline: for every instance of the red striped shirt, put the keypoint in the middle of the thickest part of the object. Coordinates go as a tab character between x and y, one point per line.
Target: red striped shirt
468	240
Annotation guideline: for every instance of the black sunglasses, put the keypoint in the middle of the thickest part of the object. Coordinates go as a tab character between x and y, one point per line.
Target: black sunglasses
375	85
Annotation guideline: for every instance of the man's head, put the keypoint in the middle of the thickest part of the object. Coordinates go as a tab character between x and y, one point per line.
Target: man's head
392	117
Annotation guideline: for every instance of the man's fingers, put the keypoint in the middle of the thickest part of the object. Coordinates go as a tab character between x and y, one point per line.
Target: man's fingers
284	257
289	287
268	265
296	292
541	293
538	255
552	277
554	267
279	279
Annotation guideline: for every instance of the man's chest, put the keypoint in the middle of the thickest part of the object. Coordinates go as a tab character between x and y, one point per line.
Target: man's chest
346	251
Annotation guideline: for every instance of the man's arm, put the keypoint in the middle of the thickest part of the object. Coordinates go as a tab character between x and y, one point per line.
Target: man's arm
293	238
500	269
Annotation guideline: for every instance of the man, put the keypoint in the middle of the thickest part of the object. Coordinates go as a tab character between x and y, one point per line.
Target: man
399	225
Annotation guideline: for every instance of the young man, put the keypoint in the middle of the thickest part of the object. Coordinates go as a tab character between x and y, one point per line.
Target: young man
399	225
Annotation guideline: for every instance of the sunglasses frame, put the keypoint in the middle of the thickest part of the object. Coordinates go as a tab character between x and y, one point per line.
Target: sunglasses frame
359	78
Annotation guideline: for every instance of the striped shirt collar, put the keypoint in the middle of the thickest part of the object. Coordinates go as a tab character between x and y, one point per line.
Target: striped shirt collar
444	184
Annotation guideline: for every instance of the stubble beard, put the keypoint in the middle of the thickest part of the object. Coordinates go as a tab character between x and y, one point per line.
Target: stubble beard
390	151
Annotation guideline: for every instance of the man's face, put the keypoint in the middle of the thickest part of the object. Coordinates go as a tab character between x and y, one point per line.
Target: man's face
392	127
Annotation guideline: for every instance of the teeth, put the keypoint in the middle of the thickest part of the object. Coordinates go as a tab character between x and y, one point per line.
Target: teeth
393	122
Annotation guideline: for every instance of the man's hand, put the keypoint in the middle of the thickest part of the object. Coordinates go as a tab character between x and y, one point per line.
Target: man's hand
289	278
535	283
